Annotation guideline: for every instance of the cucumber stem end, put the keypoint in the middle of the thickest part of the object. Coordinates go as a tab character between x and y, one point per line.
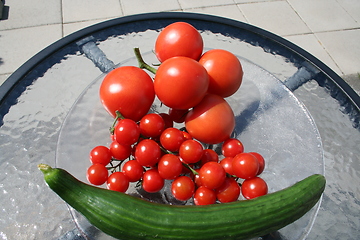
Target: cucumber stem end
44	168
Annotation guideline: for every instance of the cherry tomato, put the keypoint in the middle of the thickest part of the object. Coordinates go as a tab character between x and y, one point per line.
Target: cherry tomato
171	139
147	152
178	115
196	179
183	188
112	136
133	170
100	154
231	147
209	155
178	39
167	120
204	196
211	121
181	82
120	151
97	174
254	187
129	90
225	72
229	191
212	175
151	125
170	166
261	161
191	151
118	181
187	136
226	163
152	181
245	165
126	132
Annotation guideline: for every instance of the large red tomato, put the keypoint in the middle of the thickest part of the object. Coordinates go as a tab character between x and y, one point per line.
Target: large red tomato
179	39
225	71
211	121
181	82
129	90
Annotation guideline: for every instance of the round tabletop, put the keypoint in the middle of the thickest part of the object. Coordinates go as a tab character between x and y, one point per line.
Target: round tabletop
36	98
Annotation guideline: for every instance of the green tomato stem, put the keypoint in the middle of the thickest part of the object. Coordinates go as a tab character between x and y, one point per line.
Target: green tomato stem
118	116
142	63
166	151
193	171
114	167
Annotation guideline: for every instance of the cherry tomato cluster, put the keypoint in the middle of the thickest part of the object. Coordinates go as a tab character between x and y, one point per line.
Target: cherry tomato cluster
148	149
153	150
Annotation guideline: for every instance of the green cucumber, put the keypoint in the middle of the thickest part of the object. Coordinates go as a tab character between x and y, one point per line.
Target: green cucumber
126	217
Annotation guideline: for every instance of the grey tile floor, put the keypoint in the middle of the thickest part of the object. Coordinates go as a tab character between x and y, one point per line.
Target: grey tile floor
328	29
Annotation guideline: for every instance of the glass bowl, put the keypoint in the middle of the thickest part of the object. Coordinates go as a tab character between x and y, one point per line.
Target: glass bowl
269	120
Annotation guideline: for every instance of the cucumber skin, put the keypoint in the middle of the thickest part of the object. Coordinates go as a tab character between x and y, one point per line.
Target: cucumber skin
126	217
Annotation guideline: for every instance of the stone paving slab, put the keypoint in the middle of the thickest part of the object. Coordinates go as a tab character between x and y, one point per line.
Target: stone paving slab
276	16
18	45
145	6
228	11
185	4
323	15
22	14
310	43
80	10
344	48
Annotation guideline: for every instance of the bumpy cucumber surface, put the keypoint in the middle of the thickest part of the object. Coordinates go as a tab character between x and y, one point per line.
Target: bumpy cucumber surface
125	217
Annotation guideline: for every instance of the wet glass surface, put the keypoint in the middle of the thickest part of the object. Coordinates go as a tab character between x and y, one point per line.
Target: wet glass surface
33	112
